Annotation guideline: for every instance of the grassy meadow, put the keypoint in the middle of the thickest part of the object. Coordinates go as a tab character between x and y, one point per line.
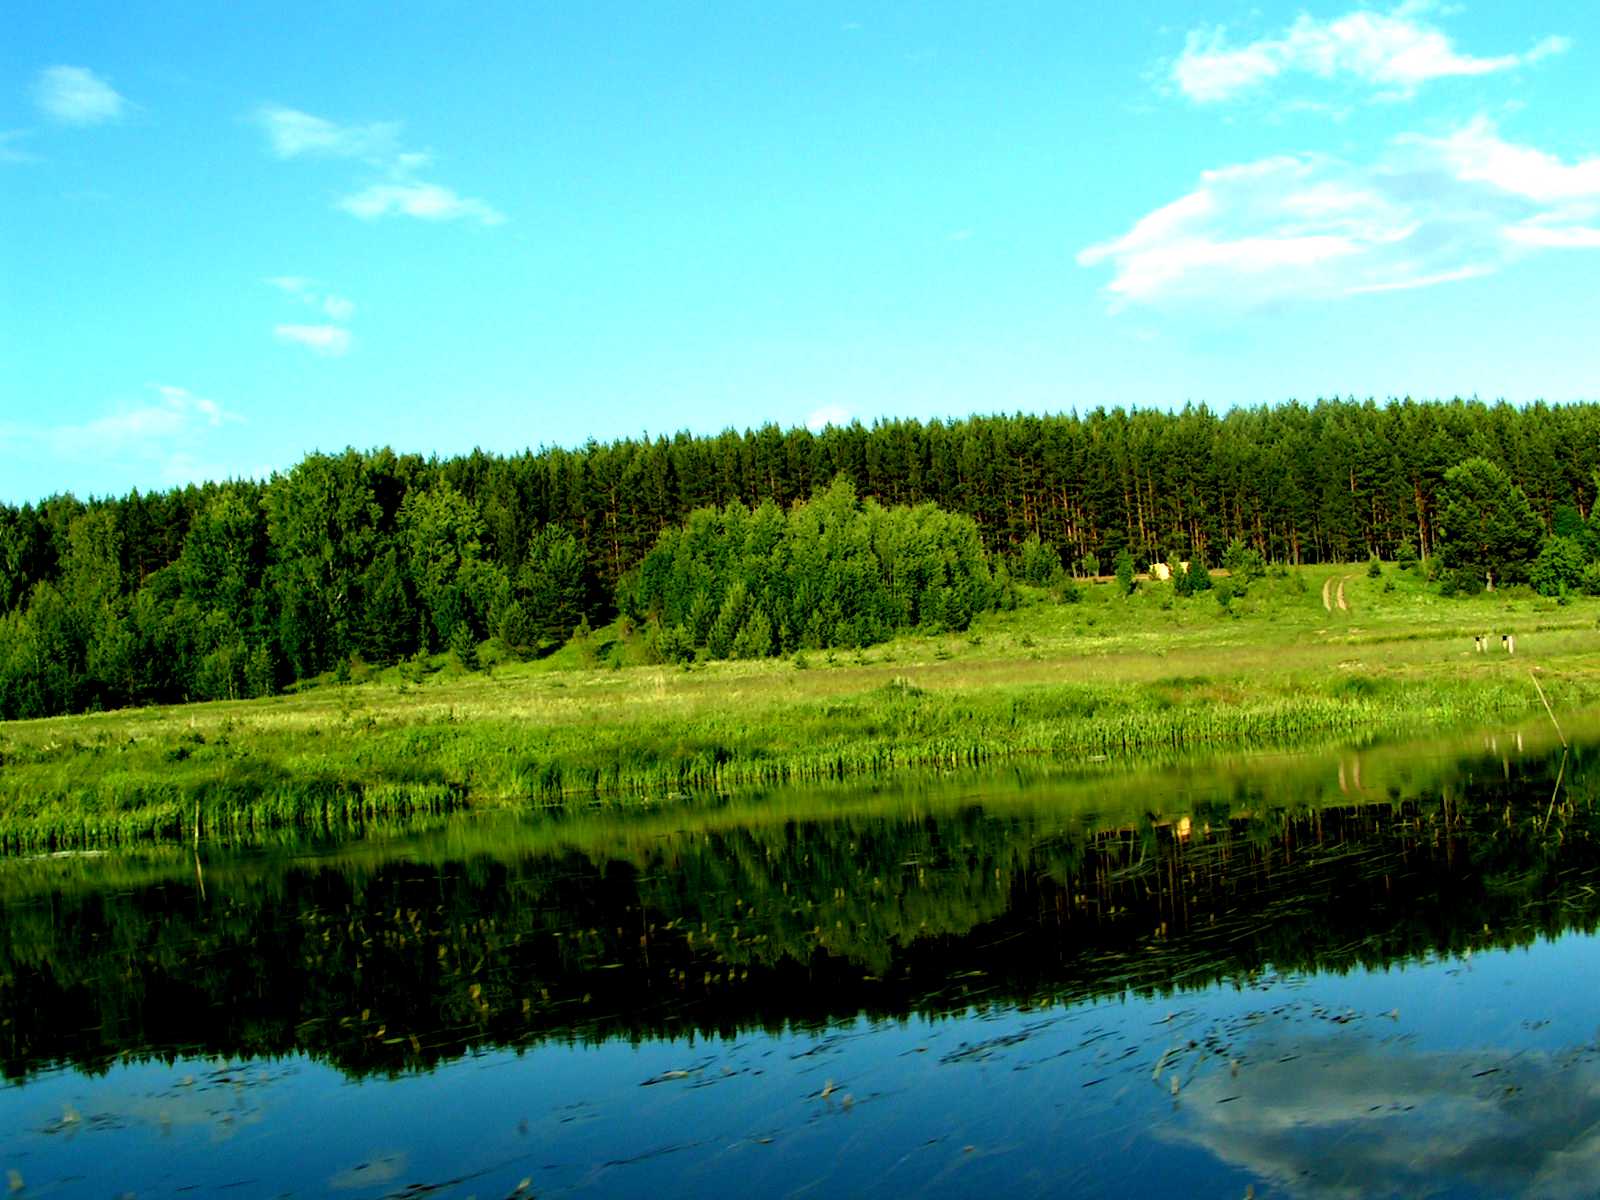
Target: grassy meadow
1102	676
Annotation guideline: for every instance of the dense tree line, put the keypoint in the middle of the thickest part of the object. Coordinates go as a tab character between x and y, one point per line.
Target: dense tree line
832	572
235	589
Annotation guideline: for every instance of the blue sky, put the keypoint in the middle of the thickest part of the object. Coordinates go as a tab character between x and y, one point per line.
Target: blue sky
232	234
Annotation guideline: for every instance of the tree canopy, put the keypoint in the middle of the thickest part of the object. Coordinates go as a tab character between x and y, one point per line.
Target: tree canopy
238	588
1487	528
836	571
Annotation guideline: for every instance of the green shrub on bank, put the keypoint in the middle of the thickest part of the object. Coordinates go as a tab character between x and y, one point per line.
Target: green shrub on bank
835	572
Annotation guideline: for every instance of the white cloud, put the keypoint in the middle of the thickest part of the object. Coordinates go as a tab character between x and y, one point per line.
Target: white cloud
1428	211
77	96
174	412
310	292
828	414
330	341
1556	237
428	201
293	134
168	435
1398	51
148	426
1476	152
295	285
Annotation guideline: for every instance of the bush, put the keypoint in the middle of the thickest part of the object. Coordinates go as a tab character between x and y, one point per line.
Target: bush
754	639
1193	581
1560	565
836	571
1374	569
1244	563
1091	565
464	646
673	643
516	628
1125	581
1405	556
1037	562
1460	583
416	668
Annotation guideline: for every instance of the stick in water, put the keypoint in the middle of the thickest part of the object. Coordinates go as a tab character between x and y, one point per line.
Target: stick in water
1548	709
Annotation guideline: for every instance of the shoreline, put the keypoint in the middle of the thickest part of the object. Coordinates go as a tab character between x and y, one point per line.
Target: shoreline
1051	683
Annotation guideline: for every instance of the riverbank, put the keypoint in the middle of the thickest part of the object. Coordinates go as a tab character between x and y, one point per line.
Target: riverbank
1105	675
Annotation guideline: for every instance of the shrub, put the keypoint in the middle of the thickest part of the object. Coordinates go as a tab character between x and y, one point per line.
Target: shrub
1125	581
1560	565
1193	581
673	643
1037	561
836	571
1244	563
464	647
516	628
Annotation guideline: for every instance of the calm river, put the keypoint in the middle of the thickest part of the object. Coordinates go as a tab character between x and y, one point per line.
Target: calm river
1353	972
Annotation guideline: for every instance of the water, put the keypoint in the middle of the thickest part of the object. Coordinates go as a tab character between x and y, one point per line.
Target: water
1359	974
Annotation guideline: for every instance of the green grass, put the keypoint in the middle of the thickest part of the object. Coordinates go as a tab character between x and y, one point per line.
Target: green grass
1106	676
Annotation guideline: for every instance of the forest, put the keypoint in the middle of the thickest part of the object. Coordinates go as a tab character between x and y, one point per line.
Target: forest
236	589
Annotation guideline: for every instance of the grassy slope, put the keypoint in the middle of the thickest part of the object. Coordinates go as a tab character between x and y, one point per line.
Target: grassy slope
1105	676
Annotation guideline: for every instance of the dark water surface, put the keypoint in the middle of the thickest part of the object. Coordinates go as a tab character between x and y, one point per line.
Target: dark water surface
1355	973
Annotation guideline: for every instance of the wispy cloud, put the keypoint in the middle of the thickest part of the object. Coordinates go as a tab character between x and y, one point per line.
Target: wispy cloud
1429	211
77	96
173	411
294	134
166	429
397	192
428	201
310	292
1397	51
1477	153
330	341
